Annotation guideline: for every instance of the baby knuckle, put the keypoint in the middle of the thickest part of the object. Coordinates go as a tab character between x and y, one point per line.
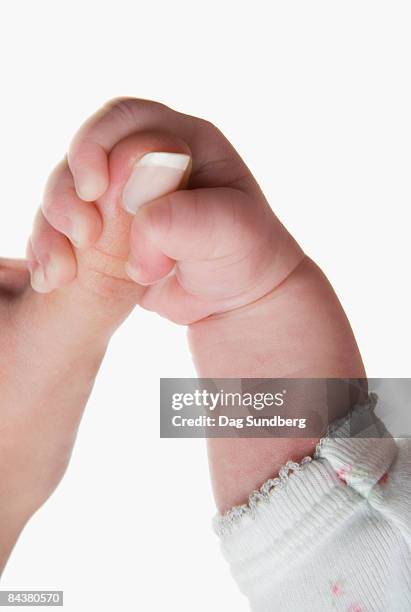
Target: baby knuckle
128	109
208	125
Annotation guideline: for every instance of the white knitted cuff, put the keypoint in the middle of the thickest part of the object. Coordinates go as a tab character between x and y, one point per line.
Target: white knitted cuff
356	451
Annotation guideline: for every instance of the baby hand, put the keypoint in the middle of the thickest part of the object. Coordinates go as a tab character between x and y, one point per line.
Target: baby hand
177	211
211	247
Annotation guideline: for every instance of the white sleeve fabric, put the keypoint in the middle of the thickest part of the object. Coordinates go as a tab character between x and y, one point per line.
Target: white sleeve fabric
331	533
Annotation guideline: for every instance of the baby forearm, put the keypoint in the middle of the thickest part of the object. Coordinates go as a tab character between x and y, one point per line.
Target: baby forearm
248	343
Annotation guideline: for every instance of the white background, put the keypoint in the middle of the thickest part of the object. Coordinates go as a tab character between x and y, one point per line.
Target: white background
316	96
